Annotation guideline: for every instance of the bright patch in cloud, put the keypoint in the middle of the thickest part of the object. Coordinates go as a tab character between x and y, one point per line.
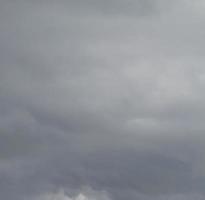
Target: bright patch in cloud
90	195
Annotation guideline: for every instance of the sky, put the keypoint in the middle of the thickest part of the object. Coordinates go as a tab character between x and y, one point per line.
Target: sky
102	100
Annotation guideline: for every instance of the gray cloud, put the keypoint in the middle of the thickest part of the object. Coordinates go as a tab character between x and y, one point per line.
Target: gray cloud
105	95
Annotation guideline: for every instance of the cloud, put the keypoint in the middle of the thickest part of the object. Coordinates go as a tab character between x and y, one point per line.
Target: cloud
62	196
104	94
90	195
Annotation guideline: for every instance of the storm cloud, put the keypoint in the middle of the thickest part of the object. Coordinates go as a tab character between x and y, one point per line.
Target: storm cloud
102	100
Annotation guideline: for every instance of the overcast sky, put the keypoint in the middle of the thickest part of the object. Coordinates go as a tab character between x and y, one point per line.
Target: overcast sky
102	99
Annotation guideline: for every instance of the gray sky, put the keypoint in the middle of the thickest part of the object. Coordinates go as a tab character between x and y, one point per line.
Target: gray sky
102	99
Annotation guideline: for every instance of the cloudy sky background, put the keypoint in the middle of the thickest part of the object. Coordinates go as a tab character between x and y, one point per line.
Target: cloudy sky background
102	100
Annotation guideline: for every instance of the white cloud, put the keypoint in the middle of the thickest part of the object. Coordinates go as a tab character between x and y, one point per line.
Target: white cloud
87	194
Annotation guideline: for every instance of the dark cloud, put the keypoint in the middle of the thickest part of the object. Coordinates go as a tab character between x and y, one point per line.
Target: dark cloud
102	100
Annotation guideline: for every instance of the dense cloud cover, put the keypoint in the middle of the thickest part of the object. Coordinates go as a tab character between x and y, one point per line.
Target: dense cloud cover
102	100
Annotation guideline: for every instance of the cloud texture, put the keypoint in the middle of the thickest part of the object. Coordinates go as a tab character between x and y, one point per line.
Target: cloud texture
107	95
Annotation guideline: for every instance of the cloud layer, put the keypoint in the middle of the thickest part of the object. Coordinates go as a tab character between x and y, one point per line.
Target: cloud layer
107	95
